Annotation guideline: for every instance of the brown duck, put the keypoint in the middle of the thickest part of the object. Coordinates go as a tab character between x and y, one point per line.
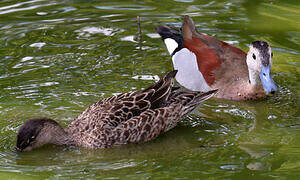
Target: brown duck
132	117
206	63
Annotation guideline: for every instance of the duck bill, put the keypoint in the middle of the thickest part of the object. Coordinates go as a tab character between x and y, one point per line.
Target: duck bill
267	81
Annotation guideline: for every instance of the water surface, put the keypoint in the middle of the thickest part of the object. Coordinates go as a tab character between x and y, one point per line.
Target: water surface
58	57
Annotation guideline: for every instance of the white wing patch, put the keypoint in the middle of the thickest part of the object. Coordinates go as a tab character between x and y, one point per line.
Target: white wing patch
171	45
188	74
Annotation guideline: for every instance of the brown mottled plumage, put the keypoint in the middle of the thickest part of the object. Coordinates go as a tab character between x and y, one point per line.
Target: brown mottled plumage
126	118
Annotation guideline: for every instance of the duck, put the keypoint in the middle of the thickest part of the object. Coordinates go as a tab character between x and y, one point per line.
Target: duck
205	63
132	117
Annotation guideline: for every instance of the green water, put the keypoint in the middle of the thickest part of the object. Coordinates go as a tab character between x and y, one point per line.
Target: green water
58	57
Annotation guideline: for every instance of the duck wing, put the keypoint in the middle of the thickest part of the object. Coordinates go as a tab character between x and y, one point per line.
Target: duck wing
215	58
153	122
128	105
108	113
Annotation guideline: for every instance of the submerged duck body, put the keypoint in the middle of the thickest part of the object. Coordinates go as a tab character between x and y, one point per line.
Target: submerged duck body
126	118
206	63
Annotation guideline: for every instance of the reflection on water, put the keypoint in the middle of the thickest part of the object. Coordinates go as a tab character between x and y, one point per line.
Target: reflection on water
57	58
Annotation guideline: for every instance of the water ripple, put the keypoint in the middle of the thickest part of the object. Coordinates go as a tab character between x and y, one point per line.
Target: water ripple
126	7
57	58
23	9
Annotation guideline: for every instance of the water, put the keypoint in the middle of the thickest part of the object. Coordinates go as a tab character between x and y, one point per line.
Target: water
58	57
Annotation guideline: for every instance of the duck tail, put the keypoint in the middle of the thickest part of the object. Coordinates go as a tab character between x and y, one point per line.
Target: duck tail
172	39
190	99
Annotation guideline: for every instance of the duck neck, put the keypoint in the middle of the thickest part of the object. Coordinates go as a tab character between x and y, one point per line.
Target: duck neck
61	137
55	134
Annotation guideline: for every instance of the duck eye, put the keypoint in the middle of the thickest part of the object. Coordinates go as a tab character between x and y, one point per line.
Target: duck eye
254	57
32	138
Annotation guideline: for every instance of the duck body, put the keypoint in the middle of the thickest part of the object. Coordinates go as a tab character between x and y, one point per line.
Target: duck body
206	63
125	118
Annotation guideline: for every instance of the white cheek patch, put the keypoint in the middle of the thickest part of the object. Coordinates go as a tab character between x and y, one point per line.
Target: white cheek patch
253	64
171	45
271	57
188	74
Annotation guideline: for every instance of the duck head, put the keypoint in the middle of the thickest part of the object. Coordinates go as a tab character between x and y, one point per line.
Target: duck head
259	61
37	132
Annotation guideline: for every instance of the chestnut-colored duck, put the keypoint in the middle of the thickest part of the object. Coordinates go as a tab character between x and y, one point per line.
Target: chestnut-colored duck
206	63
